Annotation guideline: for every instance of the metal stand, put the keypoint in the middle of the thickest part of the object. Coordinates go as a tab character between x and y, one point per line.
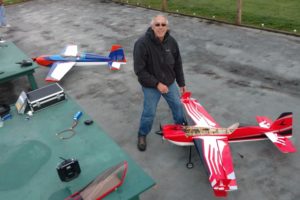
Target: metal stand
190	165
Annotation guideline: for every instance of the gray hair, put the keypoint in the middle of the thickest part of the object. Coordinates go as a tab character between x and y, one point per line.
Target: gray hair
159	15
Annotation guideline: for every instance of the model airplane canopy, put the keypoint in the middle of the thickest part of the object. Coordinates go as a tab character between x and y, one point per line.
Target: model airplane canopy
69	57
212	141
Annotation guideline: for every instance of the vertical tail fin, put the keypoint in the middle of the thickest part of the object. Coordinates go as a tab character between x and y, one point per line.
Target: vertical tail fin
284	124
117	57
117	54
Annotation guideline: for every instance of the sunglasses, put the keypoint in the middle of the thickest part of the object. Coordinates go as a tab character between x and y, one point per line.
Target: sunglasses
162	24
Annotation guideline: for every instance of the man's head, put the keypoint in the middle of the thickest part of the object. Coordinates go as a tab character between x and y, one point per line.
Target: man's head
159	25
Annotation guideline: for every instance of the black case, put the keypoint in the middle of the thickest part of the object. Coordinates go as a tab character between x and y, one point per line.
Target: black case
45	96
68	170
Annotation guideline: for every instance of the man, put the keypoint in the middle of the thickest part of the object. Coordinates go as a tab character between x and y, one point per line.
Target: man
2	15
157	64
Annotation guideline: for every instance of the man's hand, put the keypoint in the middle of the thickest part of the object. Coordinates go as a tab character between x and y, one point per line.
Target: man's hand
182	90
162	88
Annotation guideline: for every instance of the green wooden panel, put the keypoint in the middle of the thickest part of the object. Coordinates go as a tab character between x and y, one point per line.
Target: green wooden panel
30	151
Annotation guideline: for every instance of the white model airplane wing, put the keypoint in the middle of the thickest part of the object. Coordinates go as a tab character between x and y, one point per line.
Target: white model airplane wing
58	70
283	123
197	112
70	50
215	154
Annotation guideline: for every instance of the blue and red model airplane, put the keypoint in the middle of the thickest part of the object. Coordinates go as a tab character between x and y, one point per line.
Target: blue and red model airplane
212	141
61	64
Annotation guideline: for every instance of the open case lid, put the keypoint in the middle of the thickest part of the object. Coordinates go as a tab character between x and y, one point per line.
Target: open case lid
103	184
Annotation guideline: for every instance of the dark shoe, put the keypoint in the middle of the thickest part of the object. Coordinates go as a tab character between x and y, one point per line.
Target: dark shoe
142	143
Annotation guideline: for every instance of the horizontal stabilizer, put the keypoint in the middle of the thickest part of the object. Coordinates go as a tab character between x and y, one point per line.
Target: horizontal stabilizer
279	131
264	121
114	65
281	142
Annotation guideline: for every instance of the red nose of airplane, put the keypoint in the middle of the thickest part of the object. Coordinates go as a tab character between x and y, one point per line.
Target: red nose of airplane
42	60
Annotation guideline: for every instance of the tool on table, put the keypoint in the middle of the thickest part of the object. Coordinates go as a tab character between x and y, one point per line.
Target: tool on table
70	132
24	63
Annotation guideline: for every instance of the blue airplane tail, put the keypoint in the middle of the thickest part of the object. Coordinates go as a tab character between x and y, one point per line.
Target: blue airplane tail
117	54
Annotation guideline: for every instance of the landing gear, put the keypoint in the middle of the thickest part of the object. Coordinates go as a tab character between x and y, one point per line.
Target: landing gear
190	165
159	132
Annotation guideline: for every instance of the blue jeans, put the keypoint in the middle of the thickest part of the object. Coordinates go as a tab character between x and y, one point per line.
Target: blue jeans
151	99
2	16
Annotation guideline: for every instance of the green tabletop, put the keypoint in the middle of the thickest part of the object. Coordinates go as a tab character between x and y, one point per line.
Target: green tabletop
30	151
10	54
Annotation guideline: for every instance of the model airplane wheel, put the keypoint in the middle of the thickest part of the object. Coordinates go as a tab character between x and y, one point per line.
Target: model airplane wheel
189	165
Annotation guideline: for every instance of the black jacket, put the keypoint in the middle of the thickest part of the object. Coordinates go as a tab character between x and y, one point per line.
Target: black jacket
156	61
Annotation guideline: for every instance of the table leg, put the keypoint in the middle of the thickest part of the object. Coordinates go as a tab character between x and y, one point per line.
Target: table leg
32	81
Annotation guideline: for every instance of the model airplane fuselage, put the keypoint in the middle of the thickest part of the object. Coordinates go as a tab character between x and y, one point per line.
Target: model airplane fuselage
61	64
212	141
178	134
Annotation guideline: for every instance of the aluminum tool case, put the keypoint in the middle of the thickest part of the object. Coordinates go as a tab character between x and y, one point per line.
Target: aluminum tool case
45	96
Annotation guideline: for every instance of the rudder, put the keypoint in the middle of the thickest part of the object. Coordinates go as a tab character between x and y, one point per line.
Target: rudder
117	54
284	124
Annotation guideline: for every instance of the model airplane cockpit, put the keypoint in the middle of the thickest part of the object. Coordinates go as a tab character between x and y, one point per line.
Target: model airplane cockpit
61	64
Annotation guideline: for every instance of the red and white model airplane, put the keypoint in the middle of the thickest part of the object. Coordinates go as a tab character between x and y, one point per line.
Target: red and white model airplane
211	141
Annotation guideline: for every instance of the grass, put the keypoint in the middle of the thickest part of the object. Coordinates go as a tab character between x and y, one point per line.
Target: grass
283	15
9	2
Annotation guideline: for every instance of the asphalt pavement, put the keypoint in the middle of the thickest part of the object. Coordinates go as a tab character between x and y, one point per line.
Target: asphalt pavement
236	73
